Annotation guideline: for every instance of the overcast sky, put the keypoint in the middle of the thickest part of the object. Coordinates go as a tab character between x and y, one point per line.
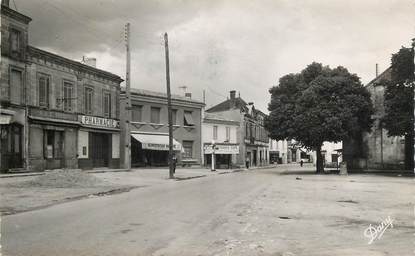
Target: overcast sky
220	46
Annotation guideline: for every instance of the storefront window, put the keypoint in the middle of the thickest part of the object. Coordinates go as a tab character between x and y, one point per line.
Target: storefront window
53	144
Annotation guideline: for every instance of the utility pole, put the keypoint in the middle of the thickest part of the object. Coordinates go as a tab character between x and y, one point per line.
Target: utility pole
127	155
171	168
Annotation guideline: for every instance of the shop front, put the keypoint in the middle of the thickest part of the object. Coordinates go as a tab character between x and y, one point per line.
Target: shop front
98	142
152	149
225	155
52	139
11	139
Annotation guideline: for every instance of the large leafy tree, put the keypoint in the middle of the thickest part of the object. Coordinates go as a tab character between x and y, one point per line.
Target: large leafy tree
399	101
319	104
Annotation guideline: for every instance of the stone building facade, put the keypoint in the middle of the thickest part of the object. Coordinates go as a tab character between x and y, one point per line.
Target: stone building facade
149	129
376	150
55	112
253	139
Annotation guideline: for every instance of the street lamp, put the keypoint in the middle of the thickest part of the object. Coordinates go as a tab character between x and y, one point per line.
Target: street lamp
213	155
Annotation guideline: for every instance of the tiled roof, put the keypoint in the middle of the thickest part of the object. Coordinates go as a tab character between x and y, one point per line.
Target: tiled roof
384	75
227	105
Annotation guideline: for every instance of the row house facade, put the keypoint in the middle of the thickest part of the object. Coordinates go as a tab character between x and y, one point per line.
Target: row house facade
149	128
220	138
55	112
253	138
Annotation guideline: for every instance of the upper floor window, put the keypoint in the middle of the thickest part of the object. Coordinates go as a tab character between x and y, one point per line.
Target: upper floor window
16	85
15	40
107	104
43	90
137	113
228	134
215	132
188	149
188	119
174	116
88	100
68	96
155	115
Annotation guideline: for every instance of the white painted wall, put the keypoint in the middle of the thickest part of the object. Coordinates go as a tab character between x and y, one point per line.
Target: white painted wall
207	134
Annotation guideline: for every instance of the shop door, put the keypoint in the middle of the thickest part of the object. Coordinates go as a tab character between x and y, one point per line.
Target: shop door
100	149
11	146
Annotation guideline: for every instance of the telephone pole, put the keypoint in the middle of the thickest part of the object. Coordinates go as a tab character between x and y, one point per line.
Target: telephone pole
127	155
171	168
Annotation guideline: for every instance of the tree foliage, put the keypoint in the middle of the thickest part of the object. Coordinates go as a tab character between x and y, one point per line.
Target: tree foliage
399	95
399	101
319	104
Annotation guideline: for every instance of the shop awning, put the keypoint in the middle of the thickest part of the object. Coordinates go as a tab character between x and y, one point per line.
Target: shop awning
156	142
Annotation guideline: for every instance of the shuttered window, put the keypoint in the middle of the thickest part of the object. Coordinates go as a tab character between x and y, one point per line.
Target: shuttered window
88	98
155	115
16	86
43	90
15	40
107	104
188	119
188	149
68	96
137	113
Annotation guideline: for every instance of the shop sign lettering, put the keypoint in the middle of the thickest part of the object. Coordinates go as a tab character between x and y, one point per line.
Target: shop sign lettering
99	121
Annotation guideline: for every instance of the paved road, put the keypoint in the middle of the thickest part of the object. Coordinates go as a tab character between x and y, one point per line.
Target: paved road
250	213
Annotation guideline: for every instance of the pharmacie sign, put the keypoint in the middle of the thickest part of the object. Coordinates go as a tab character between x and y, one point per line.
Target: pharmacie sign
222	149
99	121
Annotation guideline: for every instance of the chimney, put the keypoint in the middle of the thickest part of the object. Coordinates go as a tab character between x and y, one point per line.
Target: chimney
188	95
250	103
232	94
5	2
92	62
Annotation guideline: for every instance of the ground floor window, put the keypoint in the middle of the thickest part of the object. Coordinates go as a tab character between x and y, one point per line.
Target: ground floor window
53	144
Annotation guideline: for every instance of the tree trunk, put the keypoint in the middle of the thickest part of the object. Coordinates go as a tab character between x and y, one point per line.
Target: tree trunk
409	152
319	164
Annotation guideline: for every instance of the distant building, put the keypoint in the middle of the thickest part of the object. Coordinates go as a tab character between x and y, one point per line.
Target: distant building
278	151
252	138
149	128
55	112
376	150
224	133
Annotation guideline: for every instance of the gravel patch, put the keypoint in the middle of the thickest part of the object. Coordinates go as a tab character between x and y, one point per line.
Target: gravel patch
63	178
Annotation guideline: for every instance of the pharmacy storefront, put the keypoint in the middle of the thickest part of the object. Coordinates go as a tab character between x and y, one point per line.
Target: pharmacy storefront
225	155
98	142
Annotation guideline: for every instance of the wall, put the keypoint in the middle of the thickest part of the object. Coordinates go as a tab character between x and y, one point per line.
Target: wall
180	132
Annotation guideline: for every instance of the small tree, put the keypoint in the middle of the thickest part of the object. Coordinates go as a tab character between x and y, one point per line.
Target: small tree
317	105
399	101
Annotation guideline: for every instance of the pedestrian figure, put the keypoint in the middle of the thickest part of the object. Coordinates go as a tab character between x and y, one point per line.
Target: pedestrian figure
301	163
174	159
247	162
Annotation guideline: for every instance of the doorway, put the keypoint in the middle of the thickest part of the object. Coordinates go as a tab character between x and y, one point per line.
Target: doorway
100	149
